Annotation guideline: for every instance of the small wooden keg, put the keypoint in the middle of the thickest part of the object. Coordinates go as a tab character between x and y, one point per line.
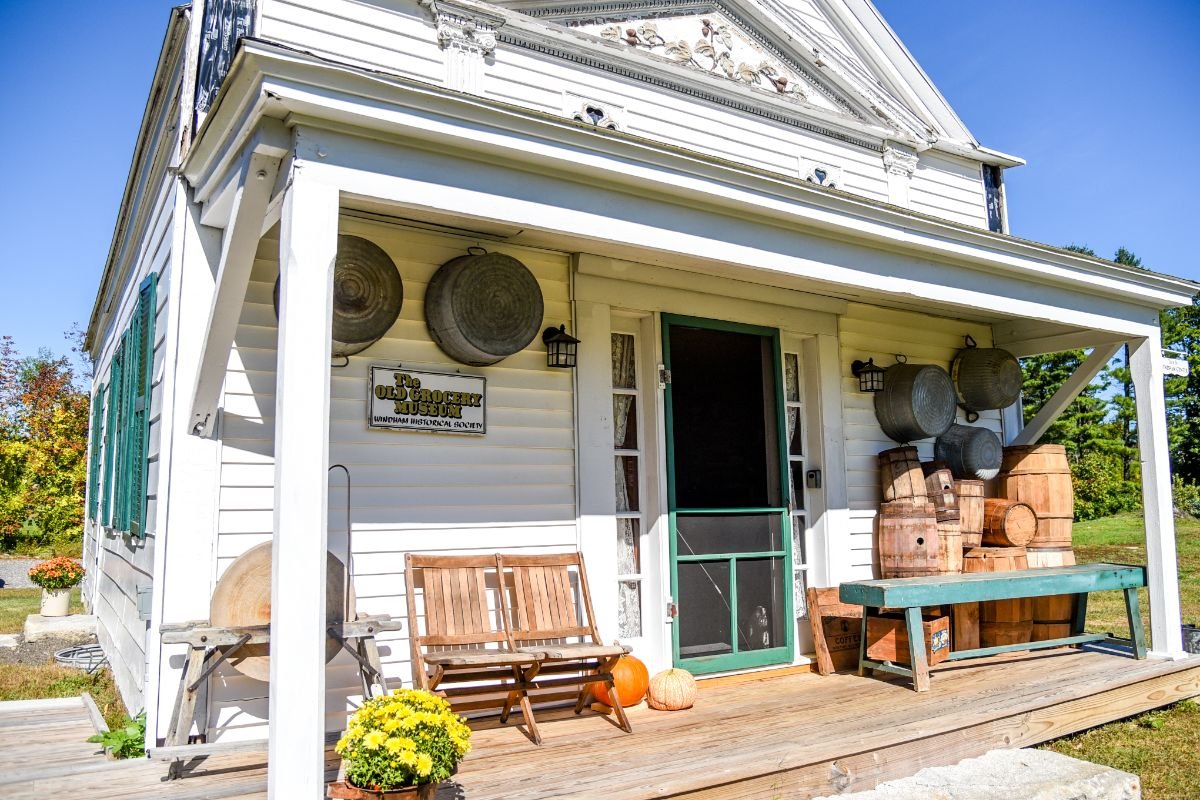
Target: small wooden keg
950	547
1007	523
1052	615
970	511
1040	476
1001	622
939	485
900	475
908	539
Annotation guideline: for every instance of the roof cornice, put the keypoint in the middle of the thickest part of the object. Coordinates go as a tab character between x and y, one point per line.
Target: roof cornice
265	72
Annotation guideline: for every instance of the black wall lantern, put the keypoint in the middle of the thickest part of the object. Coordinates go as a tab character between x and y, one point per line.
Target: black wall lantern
561	347
870	377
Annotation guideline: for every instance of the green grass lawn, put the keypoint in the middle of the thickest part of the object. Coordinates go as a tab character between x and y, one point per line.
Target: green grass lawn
1163	746
17	604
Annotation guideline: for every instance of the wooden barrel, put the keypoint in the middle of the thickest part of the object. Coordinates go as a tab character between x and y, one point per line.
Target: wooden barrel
972	452
1052	615
900	475
970	511
918	401
1001	622
939	485
1040	476
1007	523
950	547
908	539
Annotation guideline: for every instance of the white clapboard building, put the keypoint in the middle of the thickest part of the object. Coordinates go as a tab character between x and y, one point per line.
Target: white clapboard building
726	202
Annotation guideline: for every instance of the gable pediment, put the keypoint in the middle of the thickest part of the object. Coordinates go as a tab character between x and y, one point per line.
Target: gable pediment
757	47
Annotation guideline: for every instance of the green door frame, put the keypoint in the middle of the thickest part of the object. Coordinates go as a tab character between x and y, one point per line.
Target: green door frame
736	659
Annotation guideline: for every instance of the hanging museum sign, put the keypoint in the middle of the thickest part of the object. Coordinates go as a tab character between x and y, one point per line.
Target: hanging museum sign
405	399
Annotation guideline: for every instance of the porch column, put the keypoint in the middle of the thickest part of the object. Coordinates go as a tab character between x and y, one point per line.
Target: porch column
307	248
1145	364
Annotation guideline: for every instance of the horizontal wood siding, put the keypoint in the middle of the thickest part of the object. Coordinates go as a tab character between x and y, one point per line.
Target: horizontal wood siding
872	332
512	489
950	188
125	563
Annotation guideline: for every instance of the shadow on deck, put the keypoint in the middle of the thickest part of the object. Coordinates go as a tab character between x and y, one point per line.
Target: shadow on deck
757	736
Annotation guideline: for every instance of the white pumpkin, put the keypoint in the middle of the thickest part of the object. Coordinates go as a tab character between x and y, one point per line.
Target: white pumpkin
672	690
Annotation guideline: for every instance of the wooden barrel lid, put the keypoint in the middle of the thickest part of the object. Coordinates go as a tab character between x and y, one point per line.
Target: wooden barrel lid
243	597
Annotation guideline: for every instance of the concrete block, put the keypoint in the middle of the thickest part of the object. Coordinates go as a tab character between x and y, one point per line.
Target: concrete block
74	626
10	639
1009	775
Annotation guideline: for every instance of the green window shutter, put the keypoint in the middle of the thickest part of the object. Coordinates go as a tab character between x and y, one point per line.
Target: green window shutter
120	520
94	452
141	386
111	434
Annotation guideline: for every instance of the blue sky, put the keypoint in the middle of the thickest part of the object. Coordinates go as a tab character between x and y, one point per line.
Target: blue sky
1101	97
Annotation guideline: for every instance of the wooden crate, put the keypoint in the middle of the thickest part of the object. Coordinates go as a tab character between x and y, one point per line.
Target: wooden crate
887	638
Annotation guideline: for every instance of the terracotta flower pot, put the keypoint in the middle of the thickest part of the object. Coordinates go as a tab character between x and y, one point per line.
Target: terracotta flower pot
342	790
55	602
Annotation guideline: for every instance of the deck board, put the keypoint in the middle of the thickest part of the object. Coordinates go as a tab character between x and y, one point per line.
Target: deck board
761	736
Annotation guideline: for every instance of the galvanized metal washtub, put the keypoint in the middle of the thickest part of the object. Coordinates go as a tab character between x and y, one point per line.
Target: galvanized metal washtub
986	377
482	308
971	452
918	401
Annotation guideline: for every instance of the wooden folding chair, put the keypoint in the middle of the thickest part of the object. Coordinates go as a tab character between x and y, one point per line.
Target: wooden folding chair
465	641
543	617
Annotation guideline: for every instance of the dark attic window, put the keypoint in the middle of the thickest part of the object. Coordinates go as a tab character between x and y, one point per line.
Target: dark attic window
993	183
596	115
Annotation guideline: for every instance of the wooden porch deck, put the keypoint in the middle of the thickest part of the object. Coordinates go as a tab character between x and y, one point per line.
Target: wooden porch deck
764	736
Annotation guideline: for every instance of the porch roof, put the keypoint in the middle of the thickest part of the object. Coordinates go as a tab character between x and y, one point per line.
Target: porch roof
932	264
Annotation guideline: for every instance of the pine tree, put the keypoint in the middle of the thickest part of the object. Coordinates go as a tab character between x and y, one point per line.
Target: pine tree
1181	331
1124	405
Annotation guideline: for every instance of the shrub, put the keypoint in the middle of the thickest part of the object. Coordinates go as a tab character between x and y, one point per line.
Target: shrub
57	573
1187	498
407	738
1100	490
127	741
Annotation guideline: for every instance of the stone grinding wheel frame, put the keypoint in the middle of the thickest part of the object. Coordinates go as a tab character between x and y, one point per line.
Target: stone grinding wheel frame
242	597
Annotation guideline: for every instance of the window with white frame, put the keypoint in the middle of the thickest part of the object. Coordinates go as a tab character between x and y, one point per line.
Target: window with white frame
628	471
794	402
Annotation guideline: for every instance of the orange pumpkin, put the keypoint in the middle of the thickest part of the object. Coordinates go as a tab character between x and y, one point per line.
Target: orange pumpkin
631	679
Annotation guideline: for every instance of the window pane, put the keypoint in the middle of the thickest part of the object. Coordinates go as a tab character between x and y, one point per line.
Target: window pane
704	609
761	604
627	483
799	599
625	436
728	533
791	377
629	609
629	557
624	361
797	469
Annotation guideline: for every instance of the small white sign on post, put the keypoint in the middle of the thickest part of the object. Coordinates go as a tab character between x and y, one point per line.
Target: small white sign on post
1175	366
405	399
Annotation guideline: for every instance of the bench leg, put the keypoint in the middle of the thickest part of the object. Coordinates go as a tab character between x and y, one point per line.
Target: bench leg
916	649
1133	612
1079	614
862	645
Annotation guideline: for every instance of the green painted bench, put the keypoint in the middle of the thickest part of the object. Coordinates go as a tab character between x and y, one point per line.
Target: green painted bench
911	594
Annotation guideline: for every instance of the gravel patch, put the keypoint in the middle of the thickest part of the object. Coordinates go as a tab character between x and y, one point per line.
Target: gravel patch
36	653
14	572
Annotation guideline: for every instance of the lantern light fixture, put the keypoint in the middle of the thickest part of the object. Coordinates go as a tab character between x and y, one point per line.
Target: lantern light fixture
561	347
870	376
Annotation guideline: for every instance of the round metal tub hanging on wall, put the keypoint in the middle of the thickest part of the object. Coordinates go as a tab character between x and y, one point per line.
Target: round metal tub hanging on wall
971	453
482	308
986	377
367	295
917	402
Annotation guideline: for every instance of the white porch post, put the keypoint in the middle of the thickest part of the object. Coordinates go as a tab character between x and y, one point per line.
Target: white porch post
308	246
1145	363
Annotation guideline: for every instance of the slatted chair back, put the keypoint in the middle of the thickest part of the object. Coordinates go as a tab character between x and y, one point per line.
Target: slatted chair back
455	599
543	597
